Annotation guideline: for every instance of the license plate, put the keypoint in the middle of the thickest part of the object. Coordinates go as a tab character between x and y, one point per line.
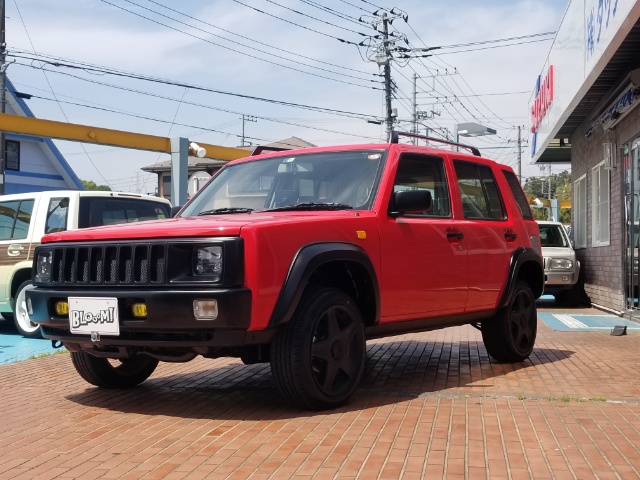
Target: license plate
91	314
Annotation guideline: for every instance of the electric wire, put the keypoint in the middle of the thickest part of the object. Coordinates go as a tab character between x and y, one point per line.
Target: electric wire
257	41
120	73
51	88
296	24
230	48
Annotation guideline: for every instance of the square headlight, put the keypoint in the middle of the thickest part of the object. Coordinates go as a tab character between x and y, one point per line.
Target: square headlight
560	264
207	261
44	266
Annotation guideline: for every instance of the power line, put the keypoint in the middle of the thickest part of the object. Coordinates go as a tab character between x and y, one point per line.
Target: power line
314	18
275	120
296	24
121	73
331	11
51	88
230	48
257	41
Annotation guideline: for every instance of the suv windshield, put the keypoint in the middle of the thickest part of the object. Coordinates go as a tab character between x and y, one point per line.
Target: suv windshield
553	236
314	181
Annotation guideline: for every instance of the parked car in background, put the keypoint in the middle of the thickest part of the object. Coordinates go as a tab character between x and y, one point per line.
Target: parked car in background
561	267
26	217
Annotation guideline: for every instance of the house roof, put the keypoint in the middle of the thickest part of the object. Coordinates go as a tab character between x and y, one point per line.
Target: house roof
210	163
20	107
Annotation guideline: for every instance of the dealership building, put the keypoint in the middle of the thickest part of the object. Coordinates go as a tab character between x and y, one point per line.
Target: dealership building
584	112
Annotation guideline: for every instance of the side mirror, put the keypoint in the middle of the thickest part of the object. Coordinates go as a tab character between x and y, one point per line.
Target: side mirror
175	210
411	201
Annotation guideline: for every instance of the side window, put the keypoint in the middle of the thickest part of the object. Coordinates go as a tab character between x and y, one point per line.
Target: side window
480	195
15	218
518	194
23	219
57	215
416	172
12	149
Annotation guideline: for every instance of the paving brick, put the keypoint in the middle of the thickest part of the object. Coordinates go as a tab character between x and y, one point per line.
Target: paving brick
430	403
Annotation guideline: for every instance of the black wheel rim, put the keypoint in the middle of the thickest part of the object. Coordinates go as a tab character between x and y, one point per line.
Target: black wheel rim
336	351
522	321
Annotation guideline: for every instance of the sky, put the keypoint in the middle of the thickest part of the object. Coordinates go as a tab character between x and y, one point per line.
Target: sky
290	67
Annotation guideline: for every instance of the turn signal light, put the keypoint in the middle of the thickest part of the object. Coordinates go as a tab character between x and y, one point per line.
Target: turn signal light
62	308
139	310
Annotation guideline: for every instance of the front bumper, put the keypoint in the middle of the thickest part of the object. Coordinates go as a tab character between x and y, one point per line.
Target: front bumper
169	323
559	280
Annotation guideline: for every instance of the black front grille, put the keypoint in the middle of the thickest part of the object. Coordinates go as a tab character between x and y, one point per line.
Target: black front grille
111	264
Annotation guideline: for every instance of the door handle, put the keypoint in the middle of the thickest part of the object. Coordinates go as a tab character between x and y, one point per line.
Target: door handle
15	250
510	235
454	236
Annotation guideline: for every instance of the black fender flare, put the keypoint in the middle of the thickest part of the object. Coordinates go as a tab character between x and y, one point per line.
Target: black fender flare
306	261
519	257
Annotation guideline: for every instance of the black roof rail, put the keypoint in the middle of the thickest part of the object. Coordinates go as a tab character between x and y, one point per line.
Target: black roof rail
263	148
395	136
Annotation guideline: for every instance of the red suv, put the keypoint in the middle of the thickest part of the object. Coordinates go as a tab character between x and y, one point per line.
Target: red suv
296	258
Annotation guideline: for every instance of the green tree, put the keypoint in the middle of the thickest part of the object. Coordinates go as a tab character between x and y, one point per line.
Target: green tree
91	185
538	187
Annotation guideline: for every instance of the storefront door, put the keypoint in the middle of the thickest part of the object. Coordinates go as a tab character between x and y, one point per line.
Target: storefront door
632	224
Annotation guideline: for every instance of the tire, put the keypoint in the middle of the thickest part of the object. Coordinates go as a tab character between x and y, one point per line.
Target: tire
23	323
317	359
101	373
511	334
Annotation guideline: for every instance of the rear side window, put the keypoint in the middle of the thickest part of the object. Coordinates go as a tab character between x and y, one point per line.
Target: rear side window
98	211
519	195
480	194
15	218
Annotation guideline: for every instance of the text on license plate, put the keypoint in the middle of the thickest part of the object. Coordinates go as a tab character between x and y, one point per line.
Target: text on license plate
94	314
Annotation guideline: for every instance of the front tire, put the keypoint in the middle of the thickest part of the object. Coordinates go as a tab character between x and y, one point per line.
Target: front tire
102	373
511	334
23	323
317	359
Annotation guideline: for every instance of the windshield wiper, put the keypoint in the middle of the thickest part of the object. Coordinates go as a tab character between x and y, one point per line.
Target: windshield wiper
218	211
312	206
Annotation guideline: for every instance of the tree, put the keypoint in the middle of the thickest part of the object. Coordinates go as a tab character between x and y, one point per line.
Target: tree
538	187
91	185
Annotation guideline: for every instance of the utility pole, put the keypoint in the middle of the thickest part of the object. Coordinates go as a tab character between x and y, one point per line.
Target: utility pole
415	107
3	96
246	118
387	74
519	155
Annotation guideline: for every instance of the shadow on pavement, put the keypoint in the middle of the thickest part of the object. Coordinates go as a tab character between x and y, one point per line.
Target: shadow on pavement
395	372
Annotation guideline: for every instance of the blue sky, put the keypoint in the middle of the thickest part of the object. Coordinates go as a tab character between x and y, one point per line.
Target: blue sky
287	51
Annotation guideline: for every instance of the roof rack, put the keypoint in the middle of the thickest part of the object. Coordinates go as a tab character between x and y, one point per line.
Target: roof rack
263	148
395	136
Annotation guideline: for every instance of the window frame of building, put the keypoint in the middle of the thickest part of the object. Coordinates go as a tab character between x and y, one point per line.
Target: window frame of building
12	155
580	217
600	206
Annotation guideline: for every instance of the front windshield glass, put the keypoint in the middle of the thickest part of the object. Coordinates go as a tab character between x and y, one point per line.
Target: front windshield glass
553	236
336	180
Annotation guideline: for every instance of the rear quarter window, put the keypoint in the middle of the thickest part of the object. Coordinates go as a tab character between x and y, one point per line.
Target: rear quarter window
518	194
99	211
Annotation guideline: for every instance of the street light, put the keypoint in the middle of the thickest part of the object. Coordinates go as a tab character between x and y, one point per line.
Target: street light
471	129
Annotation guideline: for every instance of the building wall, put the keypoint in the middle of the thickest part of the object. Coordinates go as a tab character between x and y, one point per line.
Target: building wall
603	266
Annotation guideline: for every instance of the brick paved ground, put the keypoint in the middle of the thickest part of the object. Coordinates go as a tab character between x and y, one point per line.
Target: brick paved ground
431	405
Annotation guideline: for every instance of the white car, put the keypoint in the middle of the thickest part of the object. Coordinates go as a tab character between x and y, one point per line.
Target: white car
26	217
561	267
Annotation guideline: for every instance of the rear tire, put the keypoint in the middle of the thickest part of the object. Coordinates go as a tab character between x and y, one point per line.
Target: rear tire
23	323
317	359
101	373
511	334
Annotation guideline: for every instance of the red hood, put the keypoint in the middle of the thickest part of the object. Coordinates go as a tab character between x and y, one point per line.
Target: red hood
205	226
